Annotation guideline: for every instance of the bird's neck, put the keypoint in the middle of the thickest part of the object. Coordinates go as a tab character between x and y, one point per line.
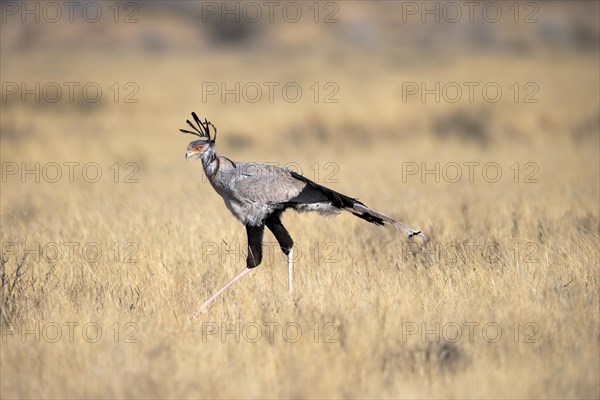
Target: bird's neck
210	162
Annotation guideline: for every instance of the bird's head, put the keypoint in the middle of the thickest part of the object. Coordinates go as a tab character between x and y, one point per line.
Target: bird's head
197	147
202	130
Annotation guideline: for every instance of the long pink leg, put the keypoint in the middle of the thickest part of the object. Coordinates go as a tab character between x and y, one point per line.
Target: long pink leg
291	270
214	296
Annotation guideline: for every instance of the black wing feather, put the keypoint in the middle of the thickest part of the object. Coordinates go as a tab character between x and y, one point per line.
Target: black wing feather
315	193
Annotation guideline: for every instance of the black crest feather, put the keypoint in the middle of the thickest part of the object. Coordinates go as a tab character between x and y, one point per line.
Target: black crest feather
201	129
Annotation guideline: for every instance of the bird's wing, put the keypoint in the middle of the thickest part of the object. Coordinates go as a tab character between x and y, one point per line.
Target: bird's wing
265	184
313	192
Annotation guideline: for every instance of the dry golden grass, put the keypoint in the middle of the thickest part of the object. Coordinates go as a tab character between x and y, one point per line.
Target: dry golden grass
522	256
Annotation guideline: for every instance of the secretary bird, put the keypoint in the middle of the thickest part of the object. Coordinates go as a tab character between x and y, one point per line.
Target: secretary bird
257	195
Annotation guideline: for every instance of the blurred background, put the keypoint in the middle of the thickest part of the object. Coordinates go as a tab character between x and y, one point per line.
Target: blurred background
364	97
232	61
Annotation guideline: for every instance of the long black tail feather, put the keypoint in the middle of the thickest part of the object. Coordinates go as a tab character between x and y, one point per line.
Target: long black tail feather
315	193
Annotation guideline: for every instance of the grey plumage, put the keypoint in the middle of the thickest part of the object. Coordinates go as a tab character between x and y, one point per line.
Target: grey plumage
251	191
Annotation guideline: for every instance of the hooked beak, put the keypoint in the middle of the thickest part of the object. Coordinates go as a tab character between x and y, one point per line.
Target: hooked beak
190	153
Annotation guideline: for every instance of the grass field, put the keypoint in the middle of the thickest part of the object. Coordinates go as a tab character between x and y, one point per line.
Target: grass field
100	274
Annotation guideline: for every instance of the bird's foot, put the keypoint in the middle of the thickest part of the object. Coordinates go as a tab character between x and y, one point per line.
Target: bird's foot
199	311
